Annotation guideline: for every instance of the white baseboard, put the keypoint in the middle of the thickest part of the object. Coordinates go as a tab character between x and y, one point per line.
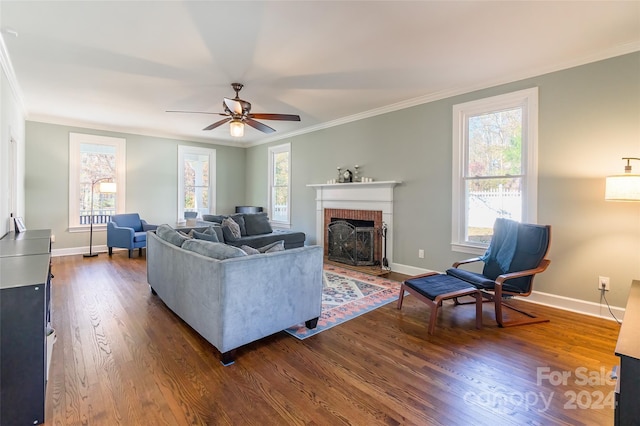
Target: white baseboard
79	250
547	299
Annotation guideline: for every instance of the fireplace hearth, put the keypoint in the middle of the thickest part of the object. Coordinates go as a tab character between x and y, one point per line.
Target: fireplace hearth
351	242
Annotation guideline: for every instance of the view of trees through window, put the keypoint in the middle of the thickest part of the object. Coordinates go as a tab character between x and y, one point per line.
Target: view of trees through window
280	190
96	162
196	183
494	171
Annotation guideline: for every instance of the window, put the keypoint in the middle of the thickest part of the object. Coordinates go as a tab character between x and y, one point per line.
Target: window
93	160
280	184
494	166
196	181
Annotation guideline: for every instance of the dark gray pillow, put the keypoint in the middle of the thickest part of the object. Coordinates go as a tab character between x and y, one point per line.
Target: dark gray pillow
204	236
257	224
215	229
239	219
213	218
231	230
218	251
170	235
228	234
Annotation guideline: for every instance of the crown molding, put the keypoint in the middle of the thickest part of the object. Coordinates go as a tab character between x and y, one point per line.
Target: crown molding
7	68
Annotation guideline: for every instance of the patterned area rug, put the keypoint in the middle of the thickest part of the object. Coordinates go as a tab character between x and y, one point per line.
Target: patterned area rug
347	294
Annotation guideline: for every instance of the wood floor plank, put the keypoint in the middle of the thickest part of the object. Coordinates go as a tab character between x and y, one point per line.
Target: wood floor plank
122	357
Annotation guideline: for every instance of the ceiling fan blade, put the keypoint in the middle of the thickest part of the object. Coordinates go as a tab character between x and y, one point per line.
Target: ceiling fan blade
282	117
259	126
197	112
217	124
233	105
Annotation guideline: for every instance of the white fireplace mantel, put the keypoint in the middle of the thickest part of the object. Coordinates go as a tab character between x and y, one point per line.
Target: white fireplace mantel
356	196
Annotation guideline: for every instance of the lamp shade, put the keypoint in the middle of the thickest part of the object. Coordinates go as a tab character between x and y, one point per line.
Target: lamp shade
107	187
236	128
622	188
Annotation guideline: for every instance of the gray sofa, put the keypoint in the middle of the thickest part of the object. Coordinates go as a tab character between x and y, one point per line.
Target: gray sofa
255	231
237	300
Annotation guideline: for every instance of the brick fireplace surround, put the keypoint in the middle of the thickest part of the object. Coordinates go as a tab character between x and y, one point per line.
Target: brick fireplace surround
359	201
374	216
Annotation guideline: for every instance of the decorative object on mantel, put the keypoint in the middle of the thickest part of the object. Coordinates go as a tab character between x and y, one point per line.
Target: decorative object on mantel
347	176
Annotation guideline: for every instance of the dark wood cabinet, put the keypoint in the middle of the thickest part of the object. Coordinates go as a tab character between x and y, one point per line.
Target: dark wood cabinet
627	410
25	286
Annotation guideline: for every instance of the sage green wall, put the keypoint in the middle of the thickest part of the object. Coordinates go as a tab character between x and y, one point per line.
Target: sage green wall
152	182
589	117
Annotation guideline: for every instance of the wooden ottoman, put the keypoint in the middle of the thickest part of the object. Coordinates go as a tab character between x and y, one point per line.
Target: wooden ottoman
432	288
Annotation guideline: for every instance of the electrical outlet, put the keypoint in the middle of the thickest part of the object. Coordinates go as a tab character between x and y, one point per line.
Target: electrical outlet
421	254
603	283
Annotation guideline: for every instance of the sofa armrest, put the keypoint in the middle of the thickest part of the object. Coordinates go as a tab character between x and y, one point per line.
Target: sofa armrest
147	227
119	236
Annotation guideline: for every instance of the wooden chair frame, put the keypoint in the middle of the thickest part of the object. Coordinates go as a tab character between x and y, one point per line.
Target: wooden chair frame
496	295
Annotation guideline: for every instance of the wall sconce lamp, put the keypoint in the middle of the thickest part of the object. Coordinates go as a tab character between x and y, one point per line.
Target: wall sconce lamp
236	128
624	187
106	188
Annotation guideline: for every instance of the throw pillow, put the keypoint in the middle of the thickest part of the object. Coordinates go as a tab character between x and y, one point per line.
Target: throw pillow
239	219
204	236
233	228
270	248
250	250
170	235
218	251
257	224
217	230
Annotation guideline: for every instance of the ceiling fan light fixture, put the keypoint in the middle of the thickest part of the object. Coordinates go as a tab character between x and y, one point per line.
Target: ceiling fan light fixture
236	128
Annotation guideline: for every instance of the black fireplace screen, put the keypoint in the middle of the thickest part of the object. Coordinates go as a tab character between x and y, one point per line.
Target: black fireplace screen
351	244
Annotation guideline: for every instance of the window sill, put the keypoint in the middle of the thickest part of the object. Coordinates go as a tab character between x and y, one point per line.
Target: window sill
87	228
280	225
467	248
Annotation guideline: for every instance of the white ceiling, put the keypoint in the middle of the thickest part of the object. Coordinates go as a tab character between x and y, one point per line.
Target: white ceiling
119	65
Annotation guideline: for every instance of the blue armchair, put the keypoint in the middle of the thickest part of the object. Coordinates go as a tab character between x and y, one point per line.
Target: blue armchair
127	231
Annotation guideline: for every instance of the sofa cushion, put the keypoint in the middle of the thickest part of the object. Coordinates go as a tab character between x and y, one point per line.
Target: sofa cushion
215	229
231	230
218	251
239	219
257	224
213	218
170	235
139	237
213	237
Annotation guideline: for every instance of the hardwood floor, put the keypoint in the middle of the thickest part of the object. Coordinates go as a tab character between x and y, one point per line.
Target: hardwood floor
123	358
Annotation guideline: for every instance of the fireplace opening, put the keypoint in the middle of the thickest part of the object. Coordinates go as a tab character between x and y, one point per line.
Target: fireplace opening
351	241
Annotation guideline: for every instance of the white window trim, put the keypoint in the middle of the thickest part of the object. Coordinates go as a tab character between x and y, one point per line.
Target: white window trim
272	151
182	151
528	100
75	139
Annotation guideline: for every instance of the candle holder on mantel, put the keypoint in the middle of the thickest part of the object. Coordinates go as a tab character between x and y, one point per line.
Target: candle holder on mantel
356	177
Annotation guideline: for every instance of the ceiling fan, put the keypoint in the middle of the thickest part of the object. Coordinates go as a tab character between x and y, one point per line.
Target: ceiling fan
238	113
